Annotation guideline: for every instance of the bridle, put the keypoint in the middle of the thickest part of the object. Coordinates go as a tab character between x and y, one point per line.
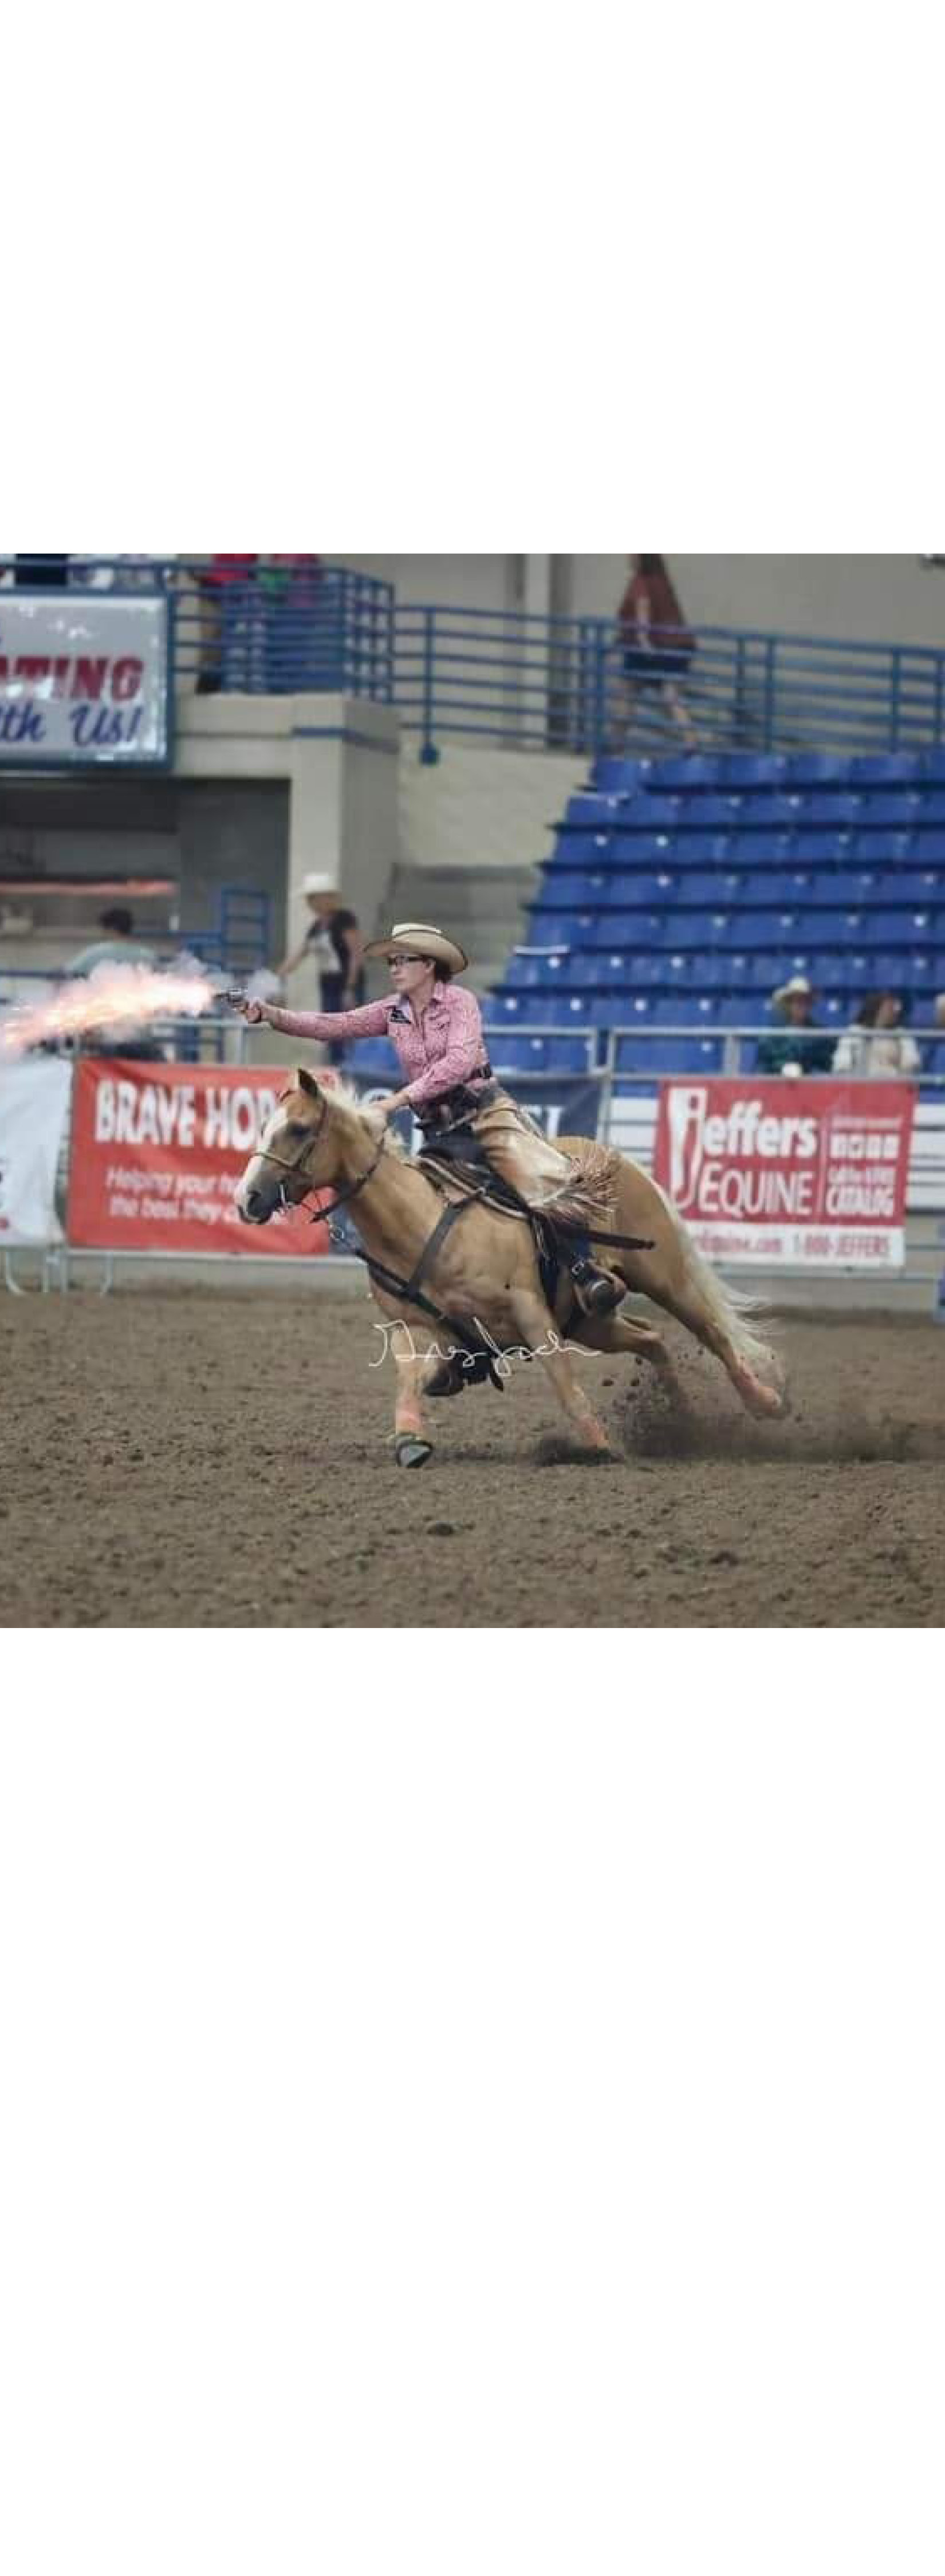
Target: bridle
322	1216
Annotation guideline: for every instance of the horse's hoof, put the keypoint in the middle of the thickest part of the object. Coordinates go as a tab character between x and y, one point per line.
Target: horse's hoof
410	1452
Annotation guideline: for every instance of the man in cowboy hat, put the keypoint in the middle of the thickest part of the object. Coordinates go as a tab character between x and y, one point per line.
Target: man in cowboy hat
435	1028
798	1047
332	941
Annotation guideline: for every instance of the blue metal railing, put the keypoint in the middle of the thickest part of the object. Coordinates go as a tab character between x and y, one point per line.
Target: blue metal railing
278	628
564	684
508	677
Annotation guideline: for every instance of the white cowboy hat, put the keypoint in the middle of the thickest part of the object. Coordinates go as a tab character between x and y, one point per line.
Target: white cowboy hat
795	984
420	939
319	885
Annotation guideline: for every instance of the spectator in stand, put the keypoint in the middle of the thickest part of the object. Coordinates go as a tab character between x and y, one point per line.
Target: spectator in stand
658	645
876	1045
333	941
289	587
118	948
940	1010
222	585
799	1047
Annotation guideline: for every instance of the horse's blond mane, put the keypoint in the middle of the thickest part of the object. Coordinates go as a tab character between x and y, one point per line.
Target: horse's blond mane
342	1095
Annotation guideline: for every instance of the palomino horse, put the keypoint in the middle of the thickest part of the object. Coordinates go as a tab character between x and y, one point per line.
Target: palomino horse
483	1275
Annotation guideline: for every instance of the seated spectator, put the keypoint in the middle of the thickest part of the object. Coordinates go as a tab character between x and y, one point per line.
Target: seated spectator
875	1045
799	1047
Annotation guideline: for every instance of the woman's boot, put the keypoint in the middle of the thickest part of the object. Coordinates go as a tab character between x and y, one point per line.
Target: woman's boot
598	1291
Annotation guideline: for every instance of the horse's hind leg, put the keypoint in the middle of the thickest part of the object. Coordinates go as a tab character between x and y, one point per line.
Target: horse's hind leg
539	1332
722	1335
633	1340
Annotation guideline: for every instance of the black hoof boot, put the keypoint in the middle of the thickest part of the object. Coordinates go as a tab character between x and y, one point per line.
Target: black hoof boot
411	1452
598	1292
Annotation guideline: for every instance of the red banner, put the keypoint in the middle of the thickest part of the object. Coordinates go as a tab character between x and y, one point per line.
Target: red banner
158	1150
788	1171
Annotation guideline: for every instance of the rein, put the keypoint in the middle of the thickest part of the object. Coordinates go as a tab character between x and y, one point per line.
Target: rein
464	1335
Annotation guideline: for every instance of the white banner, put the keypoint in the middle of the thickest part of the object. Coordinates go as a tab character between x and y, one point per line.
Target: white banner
83	679
34	1104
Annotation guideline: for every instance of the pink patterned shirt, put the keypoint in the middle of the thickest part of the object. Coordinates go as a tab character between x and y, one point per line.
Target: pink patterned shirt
444	1047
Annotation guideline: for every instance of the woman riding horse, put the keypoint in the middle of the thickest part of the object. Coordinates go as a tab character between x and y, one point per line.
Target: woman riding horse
436	1029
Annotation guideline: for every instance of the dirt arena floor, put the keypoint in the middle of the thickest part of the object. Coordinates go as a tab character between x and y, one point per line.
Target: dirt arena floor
186	1458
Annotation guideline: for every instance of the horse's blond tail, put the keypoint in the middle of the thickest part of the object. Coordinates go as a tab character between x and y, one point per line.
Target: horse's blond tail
729	1309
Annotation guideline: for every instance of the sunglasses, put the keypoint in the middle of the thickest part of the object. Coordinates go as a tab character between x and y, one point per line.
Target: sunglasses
407	959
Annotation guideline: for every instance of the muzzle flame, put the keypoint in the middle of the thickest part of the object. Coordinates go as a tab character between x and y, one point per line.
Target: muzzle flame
112	996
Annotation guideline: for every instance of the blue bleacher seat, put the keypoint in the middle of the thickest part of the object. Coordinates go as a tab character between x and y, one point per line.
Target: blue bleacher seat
711	812
775	812
717	888
917	974
889	767
370	1056
775	885
887	809
509	1053
882	849
911	928
931	810
668	1055
754	849
921	886
686	770
815	768
821	849
559	929
566	1055
932	763
640	887
580	850
590	810
617	772
830	810
635	850
648	813
568	888
695	972
733	1010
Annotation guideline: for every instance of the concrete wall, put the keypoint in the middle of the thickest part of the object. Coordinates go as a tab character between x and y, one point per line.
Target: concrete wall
338	764
873	598
482	807
466	581
881	599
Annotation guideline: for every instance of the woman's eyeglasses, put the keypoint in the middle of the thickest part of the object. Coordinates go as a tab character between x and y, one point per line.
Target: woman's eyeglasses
406	960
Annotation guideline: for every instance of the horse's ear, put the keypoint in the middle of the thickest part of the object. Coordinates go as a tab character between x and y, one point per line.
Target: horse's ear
306	1082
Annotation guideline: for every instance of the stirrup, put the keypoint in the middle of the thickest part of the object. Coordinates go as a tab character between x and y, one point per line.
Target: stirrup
598	1292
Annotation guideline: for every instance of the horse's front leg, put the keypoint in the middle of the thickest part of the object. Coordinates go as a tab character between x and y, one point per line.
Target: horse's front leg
411	1448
